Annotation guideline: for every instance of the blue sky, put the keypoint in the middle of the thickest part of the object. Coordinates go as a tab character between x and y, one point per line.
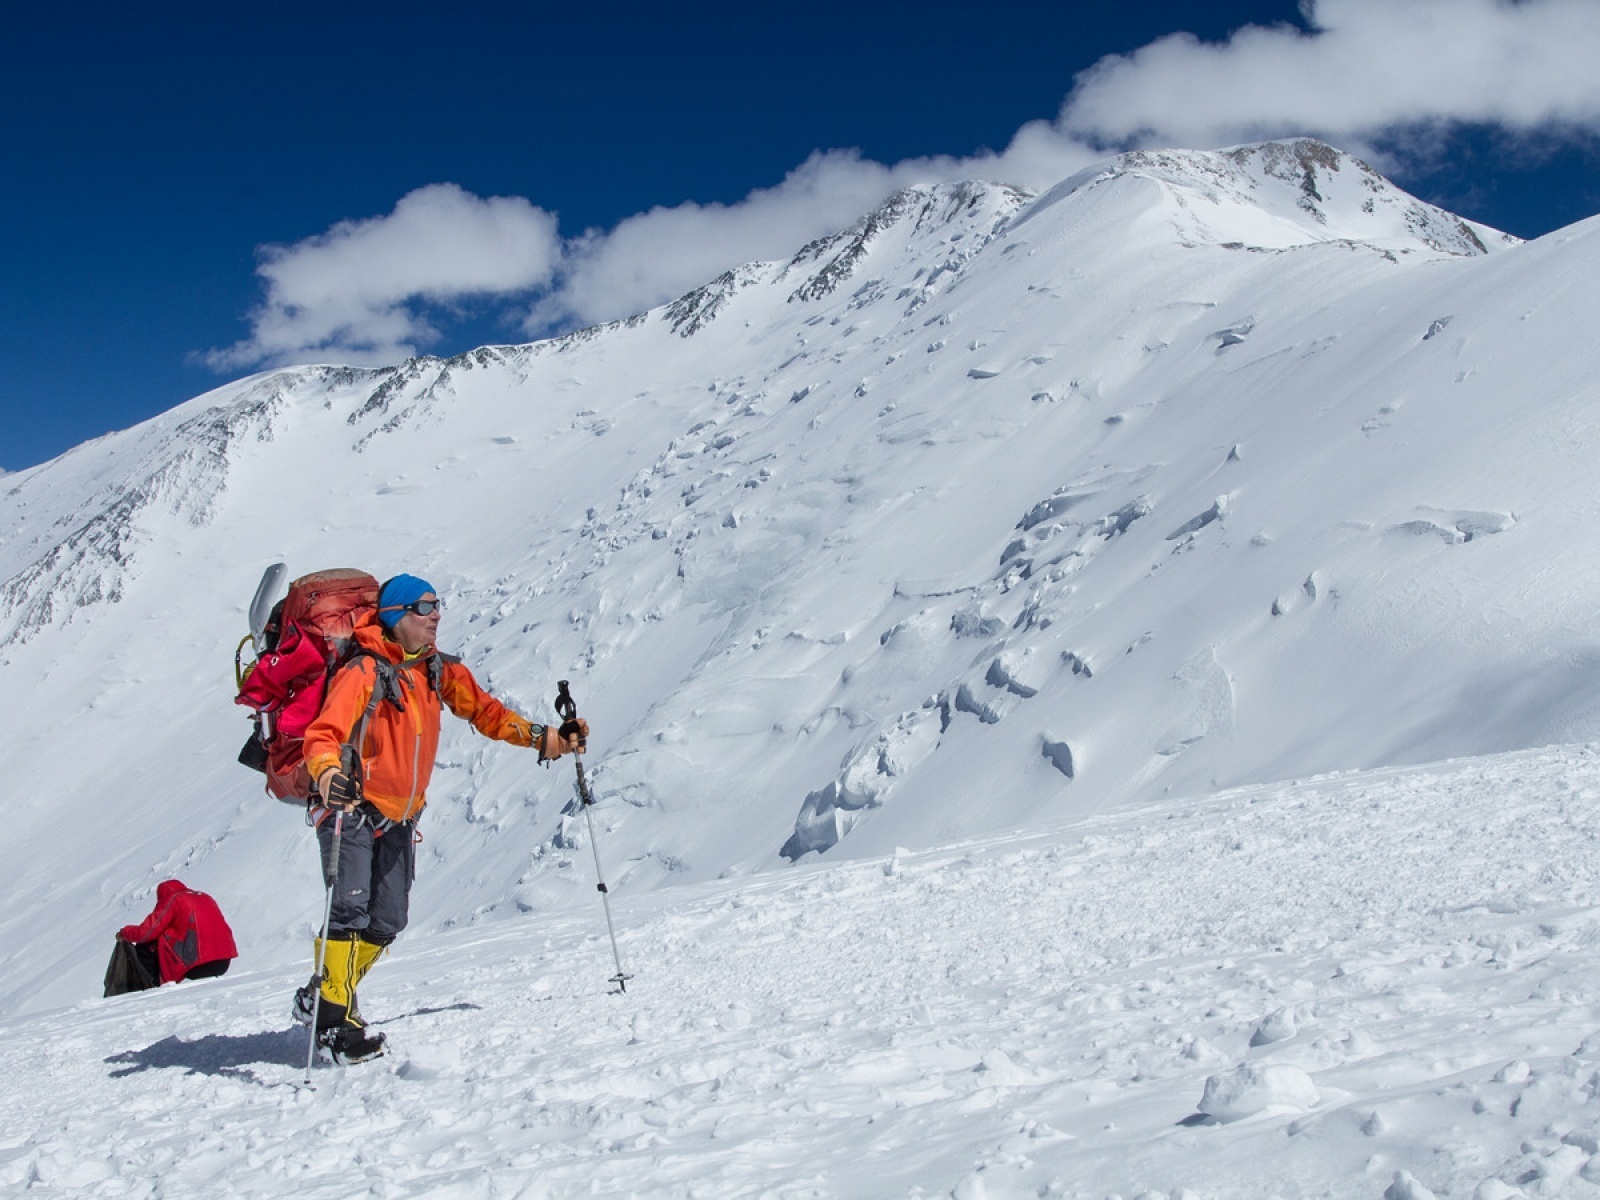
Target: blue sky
198	191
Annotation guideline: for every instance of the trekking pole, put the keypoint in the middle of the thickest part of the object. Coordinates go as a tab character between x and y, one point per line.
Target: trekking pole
331	875
568	708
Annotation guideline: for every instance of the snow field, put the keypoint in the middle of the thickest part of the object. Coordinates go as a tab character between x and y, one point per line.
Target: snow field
1373	984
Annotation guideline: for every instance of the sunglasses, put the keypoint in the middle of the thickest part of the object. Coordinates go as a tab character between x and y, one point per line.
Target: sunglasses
423	608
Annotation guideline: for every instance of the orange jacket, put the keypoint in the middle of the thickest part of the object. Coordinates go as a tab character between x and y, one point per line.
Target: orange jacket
398	750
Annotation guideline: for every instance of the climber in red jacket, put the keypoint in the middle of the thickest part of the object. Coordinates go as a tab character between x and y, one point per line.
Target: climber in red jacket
185	937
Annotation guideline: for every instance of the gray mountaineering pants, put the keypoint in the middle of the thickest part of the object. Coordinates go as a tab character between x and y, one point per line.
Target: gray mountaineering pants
372	891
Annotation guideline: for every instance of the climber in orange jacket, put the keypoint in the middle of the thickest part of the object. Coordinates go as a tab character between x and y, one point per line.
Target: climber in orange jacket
383	789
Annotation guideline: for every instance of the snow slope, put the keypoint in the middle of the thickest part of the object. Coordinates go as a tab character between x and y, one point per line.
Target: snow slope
1199	471
1378	984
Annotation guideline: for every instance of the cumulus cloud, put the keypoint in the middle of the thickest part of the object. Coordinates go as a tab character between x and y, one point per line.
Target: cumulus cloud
361	292
1362	68
1361	73
656	256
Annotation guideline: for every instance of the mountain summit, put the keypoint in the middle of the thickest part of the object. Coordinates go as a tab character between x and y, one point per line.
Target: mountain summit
1199	470
1275	196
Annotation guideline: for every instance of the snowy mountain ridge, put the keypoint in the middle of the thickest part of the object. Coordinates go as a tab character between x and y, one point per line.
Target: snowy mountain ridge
1199	470
958	211
1313	193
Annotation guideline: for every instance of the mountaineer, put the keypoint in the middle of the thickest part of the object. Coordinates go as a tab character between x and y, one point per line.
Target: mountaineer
184	937
366	805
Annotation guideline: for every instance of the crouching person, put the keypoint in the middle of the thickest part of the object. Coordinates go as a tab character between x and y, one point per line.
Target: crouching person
184	937
386	703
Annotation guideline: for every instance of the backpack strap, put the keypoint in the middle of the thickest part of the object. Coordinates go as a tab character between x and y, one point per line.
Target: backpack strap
436	664
385	686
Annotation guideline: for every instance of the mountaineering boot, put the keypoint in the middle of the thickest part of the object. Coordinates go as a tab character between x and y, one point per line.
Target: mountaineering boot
346	1044
337	984
342	1040
305	1001
304	1006
365	954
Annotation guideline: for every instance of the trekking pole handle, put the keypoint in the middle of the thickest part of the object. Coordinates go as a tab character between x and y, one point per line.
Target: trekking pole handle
567	709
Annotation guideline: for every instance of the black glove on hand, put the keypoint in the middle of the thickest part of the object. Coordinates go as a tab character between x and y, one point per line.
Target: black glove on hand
552	743
338	790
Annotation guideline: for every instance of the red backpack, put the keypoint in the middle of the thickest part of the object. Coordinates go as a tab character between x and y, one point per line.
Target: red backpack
299	644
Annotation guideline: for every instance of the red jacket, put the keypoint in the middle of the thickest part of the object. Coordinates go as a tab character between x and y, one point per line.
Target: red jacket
398	750
187	928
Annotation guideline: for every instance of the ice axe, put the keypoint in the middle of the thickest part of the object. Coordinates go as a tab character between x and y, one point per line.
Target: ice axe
567	707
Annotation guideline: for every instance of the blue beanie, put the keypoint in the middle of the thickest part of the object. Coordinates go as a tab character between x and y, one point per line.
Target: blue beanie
399	592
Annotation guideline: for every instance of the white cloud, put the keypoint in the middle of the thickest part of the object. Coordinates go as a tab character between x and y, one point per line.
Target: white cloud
656	256
1364	71
1366	66
356	293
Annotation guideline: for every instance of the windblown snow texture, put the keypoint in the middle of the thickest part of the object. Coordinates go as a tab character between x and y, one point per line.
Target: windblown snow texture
1366	985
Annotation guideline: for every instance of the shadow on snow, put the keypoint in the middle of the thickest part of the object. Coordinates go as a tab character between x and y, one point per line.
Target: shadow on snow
232	1055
